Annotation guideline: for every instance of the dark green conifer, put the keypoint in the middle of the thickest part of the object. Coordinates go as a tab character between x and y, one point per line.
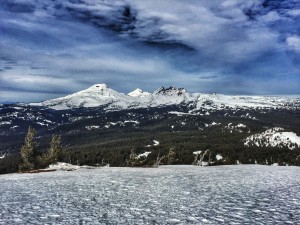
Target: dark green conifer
29	151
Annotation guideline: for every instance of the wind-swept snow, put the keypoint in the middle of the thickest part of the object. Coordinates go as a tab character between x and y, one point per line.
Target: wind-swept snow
165	195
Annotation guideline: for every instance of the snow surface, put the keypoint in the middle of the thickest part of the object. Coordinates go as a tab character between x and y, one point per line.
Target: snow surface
102	95
274	137
244	194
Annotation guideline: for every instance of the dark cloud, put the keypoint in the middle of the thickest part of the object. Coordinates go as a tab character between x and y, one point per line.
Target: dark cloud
232	47
16	6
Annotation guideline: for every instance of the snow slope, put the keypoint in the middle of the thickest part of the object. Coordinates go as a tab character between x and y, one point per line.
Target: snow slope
274	137
96	95
102	95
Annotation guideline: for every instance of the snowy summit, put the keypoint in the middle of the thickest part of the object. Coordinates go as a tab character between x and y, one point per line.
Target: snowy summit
138	93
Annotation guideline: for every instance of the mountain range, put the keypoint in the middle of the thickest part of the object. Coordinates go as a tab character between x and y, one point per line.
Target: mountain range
99	123
101	95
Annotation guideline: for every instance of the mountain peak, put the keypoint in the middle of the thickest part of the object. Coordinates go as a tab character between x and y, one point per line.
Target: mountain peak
138	93
98	87
170	91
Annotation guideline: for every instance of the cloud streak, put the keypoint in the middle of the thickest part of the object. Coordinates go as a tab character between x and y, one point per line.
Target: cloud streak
236	47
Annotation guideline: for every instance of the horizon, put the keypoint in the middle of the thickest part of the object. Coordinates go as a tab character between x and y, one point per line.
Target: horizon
153	91
51	49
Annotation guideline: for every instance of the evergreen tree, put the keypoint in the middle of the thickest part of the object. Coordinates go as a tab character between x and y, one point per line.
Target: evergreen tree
132	158
29	151
172	156
55	153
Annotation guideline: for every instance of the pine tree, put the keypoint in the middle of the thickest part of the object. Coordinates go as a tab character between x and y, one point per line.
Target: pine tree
55	152
132	158
29	151
172	157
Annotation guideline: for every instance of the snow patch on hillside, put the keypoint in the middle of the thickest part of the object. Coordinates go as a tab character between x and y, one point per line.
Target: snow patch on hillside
132	121
5	123
143	155
197	152
92	127
239	127
155	143
219	157
212	124
274	137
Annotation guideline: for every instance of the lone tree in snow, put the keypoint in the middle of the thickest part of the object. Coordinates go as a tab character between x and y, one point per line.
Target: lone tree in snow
29	151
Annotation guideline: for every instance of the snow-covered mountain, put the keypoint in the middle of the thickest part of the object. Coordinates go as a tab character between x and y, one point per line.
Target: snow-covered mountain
102	95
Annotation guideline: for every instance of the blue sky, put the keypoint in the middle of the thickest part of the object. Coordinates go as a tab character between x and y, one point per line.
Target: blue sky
52	48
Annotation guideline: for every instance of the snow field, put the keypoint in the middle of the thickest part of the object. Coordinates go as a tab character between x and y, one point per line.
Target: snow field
241	194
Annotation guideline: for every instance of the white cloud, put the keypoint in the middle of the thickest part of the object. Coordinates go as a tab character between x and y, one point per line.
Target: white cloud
270	17
294	12
293	42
